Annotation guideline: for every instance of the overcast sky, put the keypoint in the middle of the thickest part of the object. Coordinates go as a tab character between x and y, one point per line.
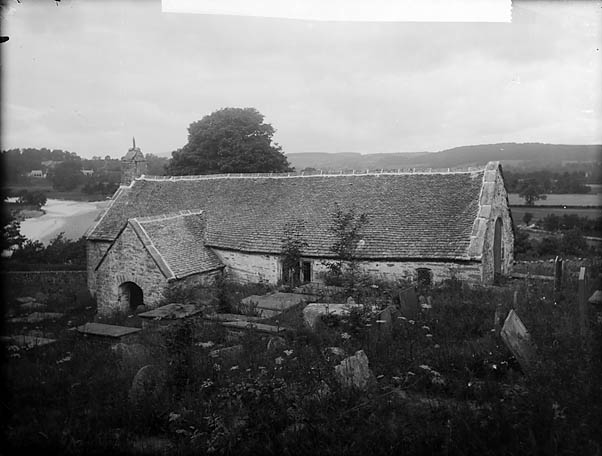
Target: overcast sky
86	76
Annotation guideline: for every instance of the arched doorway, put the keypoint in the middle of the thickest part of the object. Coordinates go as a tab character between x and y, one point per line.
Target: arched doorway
498	253
130	295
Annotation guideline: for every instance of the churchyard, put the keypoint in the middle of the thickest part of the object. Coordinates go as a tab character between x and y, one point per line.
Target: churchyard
370	368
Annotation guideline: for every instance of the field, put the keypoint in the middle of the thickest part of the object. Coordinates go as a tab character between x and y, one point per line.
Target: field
539	212
442	382
588	199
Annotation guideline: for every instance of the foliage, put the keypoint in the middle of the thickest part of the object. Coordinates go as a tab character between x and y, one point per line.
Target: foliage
66	175
230	140
531	191
292	246
58	251
155	165
548	181
347	229
572	243
11	231
569	243
446	385
527	217
35	198
553	222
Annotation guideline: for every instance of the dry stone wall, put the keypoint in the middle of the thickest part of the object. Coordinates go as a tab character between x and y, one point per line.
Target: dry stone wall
29	282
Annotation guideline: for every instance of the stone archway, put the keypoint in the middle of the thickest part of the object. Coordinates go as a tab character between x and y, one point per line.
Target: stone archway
130	296
498	253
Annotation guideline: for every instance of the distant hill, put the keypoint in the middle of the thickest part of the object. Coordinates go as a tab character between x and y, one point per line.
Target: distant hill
530	156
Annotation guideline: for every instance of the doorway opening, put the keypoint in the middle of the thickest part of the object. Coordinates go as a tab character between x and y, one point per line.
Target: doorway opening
498	253
130	295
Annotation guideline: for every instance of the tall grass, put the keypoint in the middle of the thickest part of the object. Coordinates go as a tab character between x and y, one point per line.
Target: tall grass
444	384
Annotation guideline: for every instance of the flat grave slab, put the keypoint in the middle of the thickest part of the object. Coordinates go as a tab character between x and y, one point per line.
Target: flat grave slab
103	330
256	326
231	317
278	301
172	311
27	341
37	317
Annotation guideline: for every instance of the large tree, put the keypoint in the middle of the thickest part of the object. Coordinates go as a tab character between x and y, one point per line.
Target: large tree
230	140
531	191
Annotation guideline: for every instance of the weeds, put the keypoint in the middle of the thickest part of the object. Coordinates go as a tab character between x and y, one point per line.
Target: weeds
445	384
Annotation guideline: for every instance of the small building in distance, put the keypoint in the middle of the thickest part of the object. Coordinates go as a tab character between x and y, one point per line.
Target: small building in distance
160	231
38	173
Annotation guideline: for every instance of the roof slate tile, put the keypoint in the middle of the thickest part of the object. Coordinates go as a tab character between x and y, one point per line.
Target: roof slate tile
427	215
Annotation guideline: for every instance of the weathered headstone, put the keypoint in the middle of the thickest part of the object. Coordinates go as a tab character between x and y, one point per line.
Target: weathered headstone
498	319
312	313
276	343
383	327
131	355
408	303
557	273
147	385
354	372
596	302
518	340
582	297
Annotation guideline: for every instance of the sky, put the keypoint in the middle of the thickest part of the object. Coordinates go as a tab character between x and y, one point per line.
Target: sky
87	75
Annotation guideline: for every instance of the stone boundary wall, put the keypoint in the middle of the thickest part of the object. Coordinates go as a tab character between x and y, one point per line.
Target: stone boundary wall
28	282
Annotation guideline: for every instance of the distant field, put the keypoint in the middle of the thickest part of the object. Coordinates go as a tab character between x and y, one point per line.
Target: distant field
588	199
540	212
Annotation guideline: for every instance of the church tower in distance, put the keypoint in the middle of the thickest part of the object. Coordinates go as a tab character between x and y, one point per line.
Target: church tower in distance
133	164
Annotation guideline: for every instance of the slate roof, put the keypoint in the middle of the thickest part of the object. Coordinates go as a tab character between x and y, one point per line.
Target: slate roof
133	155
411	215
176	243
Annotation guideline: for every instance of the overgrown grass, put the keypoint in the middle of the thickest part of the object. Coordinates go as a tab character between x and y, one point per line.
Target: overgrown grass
445	384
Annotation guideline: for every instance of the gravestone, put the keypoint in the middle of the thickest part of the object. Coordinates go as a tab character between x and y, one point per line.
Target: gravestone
276	343
582	298
354	372
383	326
147	385
518	340
558	273
168	314
596	303
408	303
131	355
313	313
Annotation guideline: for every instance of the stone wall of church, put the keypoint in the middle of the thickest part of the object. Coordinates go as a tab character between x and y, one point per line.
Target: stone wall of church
128	261
250	267
499	208
94	252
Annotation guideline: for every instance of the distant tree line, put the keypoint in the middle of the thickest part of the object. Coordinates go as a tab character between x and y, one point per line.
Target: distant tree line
64	170
546	182
565	222
568	243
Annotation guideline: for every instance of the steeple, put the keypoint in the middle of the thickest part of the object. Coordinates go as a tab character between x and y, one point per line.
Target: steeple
133	164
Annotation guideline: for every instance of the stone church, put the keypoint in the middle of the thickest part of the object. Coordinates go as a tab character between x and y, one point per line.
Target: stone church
159	231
